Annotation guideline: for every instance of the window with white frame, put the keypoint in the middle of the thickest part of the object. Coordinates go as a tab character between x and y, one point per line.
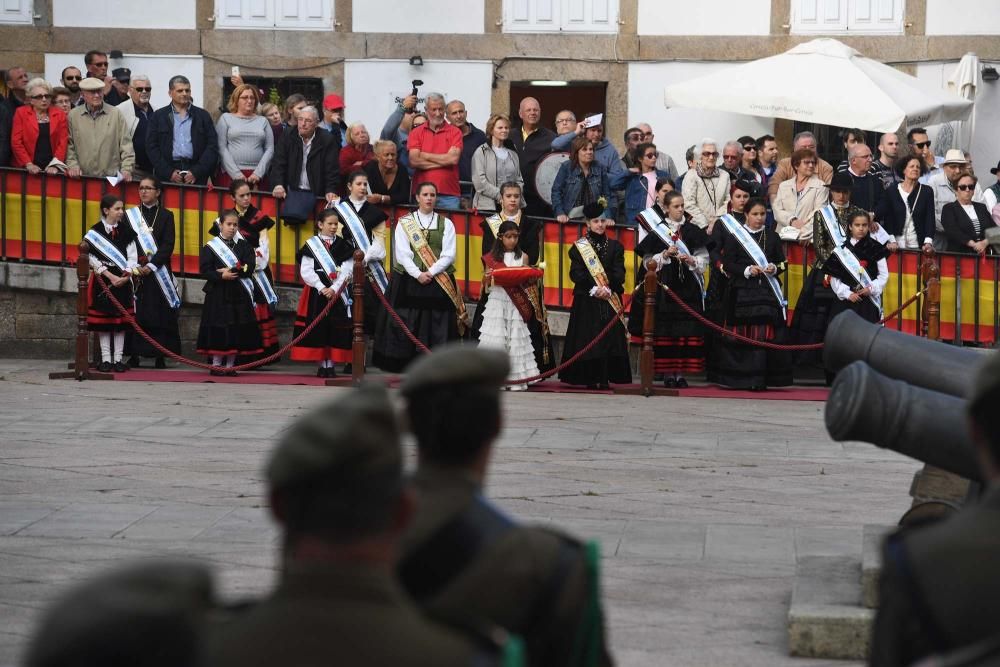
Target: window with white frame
560	16
883	17
17	11
271	14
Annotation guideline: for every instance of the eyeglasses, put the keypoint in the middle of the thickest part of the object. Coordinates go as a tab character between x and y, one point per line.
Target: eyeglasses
104	64
40	97
710	154
146	187
635	137
139	89
647	136
751	147
648	155
923	144
965	187
809	162
72	78
564	120
729	157
863	157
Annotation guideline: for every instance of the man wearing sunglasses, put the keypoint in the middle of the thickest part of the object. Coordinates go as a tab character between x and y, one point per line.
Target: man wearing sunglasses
97	68
71	78
943	183
137	111
920	144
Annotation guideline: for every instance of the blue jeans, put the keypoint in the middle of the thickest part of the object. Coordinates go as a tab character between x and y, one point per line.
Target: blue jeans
451	202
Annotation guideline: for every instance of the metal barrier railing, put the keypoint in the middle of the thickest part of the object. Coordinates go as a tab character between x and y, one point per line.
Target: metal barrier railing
43	218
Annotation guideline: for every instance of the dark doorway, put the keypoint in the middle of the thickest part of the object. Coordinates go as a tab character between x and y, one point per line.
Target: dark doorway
580	97
830	140
276	90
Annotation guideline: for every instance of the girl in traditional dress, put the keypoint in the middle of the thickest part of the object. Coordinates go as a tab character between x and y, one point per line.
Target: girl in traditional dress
254	226
228	323
680	250
528	242
157	301
596	300
858	271
422	290
373	228
324	265
506	315
113	259
752	257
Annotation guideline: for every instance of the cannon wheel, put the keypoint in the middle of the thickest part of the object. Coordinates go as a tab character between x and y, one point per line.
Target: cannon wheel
928	511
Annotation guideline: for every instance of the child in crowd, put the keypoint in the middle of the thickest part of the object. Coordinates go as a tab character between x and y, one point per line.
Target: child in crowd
597	269
113	259
858	271
325	264
228	322
507	313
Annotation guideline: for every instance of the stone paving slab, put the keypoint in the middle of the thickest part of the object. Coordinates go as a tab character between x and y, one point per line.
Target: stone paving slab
701	506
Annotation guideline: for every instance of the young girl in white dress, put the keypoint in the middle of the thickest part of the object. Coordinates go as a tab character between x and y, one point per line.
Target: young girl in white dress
509	308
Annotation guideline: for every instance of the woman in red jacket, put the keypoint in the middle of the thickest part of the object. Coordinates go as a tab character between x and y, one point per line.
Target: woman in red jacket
40	133
358	152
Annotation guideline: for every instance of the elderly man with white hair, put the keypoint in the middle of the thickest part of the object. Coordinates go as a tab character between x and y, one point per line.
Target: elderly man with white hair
306	163
137	111
706	187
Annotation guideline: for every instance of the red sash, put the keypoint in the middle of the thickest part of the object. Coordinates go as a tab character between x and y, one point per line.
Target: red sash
517	294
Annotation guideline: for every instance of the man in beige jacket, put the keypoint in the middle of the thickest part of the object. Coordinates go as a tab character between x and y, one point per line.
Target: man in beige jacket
803	140
99	140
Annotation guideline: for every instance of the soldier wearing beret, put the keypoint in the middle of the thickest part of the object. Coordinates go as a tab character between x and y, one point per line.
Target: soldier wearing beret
940	583
336	487
148	614
462	554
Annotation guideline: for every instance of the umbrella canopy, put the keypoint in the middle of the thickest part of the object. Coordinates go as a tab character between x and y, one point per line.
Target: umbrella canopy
964	81
822	81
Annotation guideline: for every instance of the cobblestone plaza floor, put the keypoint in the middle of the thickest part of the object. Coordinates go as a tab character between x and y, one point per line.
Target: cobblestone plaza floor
701	505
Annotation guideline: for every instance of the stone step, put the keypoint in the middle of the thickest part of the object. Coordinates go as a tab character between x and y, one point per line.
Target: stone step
872	537
826	619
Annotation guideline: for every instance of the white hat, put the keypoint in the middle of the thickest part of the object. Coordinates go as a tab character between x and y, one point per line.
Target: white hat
953	156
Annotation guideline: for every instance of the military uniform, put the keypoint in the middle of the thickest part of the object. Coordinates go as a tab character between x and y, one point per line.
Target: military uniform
940	584
463	557
337	607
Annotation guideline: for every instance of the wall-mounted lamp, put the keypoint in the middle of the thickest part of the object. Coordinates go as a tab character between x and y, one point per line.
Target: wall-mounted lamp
990	74
416	61
115	54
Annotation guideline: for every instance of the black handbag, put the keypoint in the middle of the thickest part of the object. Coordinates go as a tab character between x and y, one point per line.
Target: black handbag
298	207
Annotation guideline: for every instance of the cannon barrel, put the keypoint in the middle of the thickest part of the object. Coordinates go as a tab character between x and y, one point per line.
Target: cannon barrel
917	361
925	425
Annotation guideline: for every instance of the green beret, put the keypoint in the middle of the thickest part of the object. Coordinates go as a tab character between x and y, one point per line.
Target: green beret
987	382
456	364
348	438
147	614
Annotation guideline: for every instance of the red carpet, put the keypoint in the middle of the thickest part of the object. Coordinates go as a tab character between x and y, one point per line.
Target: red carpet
550	386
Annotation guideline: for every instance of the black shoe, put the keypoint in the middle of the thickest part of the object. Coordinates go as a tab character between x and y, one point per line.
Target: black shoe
592	386
217	371
331	372
670	383
161	363
658	377
682	383
348	369
604	385
133	361
104	367
120	367
230	373
321	372
758	387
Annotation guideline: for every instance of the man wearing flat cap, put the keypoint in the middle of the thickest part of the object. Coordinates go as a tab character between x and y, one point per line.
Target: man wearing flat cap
336	486
462	554
940	584
142	614
100	143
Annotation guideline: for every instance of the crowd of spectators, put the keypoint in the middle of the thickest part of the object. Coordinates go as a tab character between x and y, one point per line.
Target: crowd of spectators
100	124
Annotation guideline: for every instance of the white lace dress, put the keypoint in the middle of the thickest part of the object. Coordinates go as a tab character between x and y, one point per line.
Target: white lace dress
504	329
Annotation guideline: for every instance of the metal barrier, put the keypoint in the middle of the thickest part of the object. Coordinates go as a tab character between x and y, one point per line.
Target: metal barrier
43	218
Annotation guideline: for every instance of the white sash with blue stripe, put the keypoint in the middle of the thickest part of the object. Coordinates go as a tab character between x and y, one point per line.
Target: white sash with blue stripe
107	249
260	277
322	256
853	266
658	226
357	227
230	260
148	243
829	216
756	254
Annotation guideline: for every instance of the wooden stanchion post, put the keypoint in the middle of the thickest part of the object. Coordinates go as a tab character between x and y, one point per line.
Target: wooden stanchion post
358	313
81	363
646	357
932	302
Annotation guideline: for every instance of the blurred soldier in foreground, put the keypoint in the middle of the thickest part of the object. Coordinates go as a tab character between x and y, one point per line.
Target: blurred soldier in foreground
148	614
940	586
336	488
462	554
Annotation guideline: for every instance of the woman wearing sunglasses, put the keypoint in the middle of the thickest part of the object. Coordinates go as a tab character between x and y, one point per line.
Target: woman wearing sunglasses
965	221
39	135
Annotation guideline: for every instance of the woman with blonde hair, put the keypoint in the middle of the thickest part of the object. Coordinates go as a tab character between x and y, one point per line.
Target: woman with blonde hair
493	164
272	113
358	152
246	142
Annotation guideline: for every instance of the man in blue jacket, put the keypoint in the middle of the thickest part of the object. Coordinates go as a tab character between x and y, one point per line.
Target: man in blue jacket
182	143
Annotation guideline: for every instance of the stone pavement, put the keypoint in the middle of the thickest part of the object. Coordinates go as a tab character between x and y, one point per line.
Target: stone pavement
701	505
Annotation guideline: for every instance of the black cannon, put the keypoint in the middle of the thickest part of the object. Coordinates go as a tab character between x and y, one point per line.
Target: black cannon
914	360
